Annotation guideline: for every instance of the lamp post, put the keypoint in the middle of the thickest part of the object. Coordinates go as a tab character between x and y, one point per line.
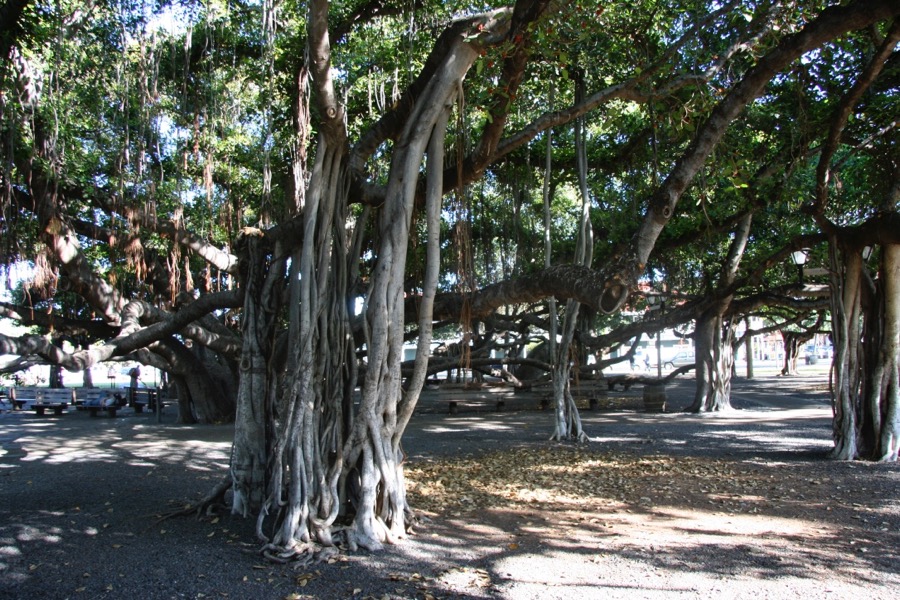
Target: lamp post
800	257
658	302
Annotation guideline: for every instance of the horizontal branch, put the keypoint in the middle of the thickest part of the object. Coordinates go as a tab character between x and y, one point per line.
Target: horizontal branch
564	282
133	335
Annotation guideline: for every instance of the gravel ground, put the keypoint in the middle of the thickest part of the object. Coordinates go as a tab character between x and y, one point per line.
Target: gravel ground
738	505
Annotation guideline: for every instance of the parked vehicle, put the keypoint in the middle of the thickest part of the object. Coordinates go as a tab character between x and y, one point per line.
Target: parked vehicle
685	357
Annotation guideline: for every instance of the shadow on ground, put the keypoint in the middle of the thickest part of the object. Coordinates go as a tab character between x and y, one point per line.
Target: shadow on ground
657	506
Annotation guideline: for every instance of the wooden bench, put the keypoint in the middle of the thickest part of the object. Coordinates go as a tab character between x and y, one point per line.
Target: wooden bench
592	390
110	400
140	398
455	395
628	379
40	400
97	400
538	395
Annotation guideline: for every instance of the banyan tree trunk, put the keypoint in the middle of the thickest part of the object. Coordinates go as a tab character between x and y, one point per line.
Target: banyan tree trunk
866	325
568	419
883	397
258	381
331	452
714	359
373	447
793	341
714	363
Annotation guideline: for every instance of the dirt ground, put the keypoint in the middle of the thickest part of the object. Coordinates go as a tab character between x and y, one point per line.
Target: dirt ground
737	505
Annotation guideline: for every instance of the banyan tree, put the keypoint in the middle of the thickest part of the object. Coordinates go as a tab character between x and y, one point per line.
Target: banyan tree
267	201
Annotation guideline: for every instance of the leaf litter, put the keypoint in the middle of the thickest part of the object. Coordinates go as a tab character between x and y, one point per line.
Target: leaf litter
655	505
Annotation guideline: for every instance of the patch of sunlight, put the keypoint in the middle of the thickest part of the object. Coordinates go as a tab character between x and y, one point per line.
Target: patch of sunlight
161	449
63	450
32	534
718	525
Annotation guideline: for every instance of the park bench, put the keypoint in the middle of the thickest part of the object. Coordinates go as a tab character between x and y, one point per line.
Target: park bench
110	400
590	389
455	395
536	395
140	398
627	380
40	400
97	400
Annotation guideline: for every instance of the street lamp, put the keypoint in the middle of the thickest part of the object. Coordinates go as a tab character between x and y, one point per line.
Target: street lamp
658	303
800	257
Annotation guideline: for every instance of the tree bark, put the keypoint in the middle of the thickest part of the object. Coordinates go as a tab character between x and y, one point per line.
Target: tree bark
568	420
714	338
886	377
845	318
385	407
258	381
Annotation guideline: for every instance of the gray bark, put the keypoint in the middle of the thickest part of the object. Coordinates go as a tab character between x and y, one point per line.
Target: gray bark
714	358
845	318
374	440
258	381
568	420
887	371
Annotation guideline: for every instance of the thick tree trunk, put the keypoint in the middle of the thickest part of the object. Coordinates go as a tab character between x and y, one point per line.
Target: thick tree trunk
185	406
306	449
866	324
793	341
87	379
55	380
330	454
885	395
714	363
845	318
203	395
258	381
385	408
568	420
714	341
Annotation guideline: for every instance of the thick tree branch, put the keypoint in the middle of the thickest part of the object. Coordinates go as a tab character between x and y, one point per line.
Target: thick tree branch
133	335
830	24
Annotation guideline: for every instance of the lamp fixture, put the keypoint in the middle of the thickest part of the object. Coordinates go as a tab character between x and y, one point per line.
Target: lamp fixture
800	256
867	252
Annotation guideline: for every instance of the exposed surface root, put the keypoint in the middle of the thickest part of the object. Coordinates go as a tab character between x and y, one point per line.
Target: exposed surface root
300	556
215	498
